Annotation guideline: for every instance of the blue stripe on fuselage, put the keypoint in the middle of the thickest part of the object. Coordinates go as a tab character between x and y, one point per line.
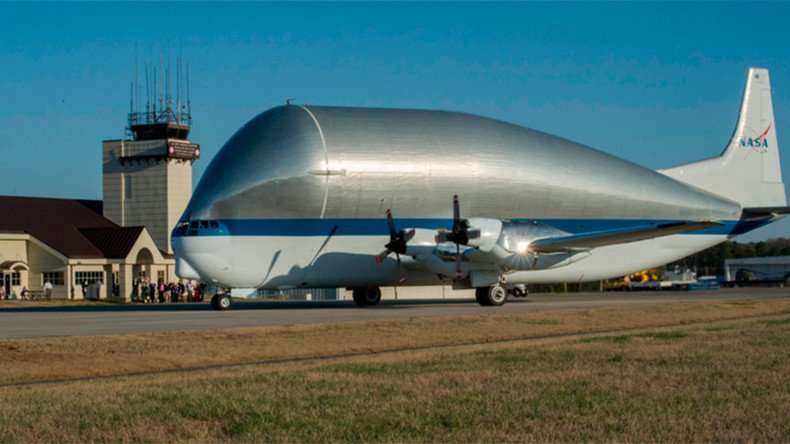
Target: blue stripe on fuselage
378	227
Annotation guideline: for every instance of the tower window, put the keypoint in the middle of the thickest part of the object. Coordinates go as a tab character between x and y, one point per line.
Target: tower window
128	186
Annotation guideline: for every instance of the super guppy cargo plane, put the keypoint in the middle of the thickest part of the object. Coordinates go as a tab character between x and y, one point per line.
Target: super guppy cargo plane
314	196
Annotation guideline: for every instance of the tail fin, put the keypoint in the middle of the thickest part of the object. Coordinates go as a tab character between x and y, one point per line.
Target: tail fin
748	171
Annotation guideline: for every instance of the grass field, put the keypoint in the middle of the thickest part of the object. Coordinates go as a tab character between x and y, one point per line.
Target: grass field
672	372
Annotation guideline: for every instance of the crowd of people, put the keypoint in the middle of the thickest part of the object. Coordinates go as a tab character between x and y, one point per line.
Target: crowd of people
24	293
143	290
149	292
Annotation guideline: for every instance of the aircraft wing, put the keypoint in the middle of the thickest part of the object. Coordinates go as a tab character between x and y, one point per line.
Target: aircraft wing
584	241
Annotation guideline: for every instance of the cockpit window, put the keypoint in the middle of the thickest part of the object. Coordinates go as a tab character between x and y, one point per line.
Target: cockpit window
196	226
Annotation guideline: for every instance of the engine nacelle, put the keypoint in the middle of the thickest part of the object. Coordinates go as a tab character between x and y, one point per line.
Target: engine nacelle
516	237
489	232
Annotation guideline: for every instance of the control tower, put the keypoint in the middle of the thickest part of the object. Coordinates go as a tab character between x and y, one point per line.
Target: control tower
147	176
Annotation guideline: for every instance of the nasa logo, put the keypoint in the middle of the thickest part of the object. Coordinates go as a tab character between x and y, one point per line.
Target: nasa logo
756	142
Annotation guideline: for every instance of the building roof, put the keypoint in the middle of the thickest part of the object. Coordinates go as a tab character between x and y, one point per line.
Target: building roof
114	243
73	227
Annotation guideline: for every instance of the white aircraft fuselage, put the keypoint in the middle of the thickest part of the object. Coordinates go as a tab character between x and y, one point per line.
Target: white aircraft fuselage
299	198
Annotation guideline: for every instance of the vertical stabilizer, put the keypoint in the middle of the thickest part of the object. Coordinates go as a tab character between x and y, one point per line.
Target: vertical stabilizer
748	170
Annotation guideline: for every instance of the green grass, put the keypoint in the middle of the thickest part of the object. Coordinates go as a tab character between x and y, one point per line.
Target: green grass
679	385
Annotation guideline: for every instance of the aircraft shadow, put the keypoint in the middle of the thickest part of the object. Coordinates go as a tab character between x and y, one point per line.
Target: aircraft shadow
244	306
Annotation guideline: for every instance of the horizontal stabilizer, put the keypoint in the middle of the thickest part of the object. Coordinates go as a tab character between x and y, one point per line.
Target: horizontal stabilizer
584	241
764	213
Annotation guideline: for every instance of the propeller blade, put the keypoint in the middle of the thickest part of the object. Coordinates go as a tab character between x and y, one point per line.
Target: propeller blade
391	224
456	213
381	256
410	234
397	257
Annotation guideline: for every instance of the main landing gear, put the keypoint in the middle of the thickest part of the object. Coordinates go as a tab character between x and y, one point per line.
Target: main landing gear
221	302
364	296
497	295
494	295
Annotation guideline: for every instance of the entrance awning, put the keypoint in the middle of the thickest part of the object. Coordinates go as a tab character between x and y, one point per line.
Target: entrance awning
14	266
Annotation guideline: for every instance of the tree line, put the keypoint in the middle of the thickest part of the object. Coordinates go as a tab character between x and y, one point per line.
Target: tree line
711	261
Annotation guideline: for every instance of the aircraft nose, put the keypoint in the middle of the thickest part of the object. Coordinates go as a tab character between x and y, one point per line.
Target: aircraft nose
185	271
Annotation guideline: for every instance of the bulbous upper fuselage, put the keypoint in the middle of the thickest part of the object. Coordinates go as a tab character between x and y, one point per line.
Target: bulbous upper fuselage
295	162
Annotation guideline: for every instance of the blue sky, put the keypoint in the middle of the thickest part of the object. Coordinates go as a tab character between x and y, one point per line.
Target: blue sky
658	84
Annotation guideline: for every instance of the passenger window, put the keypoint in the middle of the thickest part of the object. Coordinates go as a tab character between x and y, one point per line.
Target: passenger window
203	224
193	224
214	224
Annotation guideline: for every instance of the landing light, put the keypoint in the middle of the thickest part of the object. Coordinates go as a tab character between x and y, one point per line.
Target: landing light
522	247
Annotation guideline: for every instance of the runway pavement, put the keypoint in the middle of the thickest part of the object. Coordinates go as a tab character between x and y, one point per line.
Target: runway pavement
138	318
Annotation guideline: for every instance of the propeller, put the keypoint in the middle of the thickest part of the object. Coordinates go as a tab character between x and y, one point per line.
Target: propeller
461	233
398	240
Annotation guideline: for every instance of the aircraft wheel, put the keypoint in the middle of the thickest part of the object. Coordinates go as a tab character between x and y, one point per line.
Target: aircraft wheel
364	296
221	302
517	292
481	296
495	295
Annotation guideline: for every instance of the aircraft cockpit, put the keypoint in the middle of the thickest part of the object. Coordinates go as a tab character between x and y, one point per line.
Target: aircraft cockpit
202	227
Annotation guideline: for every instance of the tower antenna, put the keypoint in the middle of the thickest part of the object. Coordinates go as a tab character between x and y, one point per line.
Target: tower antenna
189	100
147	94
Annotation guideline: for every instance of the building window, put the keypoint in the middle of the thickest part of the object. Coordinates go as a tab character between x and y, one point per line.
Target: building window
14	276
55	277
80	277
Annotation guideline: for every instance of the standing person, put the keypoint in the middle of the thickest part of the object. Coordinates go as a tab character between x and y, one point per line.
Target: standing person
190	292
98	289
23	293
152	292
162	289
85	289
174	293
48	289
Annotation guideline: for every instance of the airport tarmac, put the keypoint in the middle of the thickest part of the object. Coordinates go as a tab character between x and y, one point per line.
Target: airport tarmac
138	318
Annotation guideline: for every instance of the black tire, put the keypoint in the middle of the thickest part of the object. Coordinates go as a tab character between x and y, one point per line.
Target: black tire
481	296
365	296
221	302
517	293
495	295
